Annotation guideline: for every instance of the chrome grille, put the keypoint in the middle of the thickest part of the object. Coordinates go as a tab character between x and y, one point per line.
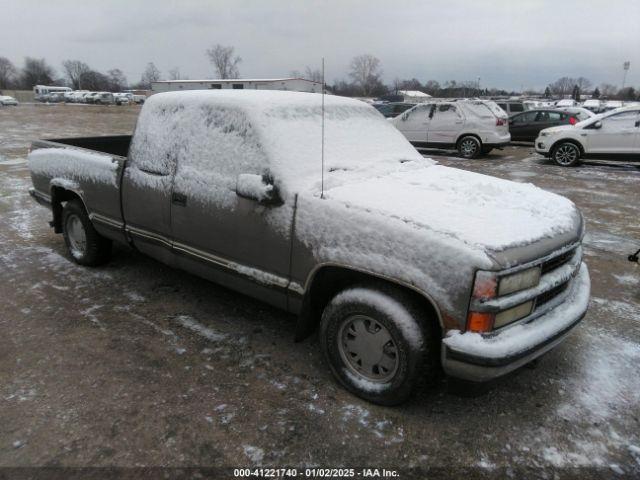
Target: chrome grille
558	261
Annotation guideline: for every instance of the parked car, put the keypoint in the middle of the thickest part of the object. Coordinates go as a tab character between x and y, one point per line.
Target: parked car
393	109
613	134
6	101
467	272
473	127
123	98
55	97
139	99
104	98
526	126
612	105
579	113
593	105
512	107
567	102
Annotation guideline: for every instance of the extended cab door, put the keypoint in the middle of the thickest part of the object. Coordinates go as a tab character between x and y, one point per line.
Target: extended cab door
147	186
234	241
414	123
446	125
618	134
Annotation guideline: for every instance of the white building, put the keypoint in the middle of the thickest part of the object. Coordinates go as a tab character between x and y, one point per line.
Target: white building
292	84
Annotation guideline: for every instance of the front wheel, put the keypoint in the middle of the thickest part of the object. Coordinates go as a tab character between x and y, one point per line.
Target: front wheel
86	246
377	345
566	154
469	147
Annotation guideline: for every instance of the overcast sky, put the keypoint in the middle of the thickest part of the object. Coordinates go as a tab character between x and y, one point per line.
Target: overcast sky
508	44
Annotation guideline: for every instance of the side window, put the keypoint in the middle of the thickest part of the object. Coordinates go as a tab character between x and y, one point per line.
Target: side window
153	146
238	86
446	111
525	117
215	86
621	120
218	144
504	107
516	107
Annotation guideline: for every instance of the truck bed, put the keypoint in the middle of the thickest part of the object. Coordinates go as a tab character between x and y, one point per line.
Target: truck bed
113	145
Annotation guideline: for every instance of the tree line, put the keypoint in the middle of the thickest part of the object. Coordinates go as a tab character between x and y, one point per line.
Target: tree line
364	79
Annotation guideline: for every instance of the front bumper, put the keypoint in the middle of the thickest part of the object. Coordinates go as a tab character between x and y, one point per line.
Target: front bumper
542	144
474	357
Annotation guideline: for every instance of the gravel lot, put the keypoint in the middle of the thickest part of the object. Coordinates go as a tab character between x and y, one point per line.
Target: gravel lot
136	364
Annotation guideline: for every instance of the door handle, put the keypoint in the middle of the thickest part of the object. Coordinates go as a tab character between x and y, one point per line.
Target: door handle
179	199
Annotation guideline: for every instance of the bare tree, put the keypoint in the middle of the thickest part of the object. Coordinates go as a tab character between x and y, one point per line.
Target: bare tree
117	80
95	81
583	84
608	91
174	74
224	61
313	74
563	86
295	74
8	72
75	70
365	73
151	74
36	71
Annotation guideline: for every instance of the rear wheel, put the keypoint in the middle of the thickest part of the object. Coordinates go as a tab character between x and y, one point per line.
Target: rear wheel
377	345
469	147
86	246
566	154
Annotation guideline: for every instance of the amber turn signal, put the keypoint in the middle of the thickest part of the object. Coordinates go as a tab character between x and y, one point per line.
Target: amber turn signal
480	321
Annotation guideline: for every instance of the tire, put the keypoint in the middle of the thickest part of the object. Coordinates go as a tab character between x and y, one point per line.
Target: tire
405	353
85	245
566	154
469	147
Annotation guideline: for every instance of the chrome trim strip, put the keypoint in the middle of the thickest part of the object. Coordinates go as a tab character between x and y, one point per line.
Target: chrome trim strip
254	274
111	222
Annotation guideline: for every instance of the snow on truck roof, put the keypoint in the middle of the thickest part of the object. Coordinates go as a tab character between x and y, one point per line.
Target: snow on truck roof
289	128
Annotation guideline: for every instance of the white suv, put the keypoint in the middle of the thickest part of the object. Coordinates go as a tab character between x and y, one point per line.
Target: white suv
473	127
615	133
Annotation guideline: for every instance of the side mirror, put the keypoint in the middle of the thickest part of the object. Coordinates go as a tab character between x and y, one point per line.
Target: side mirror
259	188
597	125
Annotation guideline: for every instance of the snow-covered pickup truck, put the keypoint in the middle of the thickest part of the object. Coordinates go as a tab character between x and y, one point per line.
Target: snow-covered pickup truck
405	266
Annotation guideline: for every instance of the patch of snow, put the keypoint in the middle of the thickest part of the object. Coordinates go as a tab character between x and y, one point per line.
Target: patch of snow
627	279
74	164
255	454
206	332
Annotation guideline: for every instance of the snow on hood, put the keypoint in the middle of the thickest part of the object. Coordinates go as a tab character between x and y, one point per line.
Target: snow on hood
484	212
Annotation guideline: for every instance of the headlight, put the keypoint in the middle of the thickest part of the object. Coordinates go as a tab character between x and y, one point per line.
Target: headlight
490	285
518	281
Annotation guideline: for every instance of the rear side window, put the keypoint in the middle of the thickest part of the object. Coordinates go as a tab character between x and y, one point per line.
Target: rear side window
516	107
480	110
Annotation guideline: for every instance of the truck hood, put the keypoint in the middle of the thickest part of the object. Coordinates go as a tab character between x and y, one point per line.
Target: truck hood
486	213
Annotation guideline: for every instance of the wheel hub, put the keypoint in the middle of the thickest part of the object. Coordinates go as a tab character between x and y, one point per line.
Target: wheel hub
76	235
367	348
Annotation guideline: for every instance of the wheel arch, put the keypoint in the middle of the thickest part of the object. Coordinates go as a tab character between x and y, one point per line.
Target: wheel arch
567	140
59	195
461	136
329	279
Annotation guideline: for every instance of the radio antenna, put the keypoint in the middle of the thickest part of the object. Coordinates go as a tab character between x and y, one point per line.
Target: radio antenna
322	144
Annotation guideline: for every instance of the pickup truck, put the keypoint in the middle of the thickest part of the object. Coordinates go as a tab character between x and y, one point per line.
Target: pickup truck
407	268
